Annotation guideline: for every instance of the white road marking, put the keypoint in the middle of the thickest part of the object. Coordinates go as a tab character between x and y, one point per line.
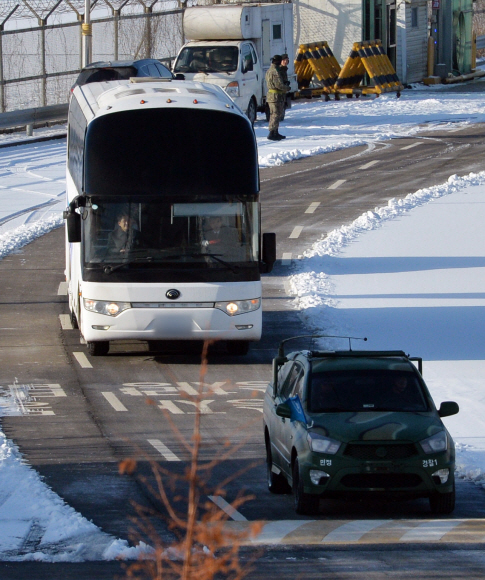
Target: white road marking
430	531
82	359
370	164
65	321
62	290
227	508
338	183
114	401
312	207
296	232
274	532
171	407
163	450
352	531
411	146
286	259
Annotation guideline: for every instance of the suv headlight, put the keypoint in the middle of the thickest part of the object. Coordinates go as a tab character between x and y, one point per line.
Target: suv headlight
436	443
105	307
238	306
322	444
232	89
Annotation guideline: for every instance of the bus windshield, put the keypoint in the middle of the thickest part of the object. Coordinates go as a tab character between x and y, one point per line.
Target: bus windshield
150	233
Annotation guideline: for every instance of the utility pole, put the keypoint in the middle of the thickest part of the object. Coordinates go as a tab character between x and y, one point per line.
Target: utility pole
87	35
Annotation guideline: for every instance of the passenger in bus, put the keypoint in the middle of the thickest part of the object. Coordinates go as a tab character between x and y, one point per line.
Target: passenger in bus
124	238
220	239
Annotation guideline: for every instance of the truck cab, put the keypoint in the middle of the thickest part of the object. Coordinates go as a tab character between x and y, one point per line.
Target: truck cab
232	65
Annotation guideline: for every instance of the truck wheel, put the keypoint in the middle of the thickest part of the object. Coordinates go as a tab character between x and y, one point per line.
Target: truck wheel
305	503
252	112
100	348
238	347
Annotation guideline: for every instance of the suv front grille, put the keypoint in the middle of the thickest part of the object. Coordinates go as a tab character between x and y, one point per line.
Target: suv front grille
376	452
381	480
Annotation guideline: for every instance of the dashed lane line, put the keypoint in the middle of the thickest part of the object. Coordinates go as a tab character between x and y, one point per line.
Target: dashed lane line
411	146
370	164
82	359
63	288
65	320
358	532
312	207
296	232
286	259
114	401
163	450
337	184
227	508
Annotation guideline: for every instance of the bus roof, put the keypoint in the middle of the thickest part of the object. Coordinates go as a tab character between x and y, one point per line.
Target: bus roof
101	98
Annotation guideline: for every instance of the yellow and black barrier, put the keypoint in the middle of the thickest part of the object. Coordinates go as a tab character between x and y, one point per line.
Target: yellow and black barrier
316	59
368	57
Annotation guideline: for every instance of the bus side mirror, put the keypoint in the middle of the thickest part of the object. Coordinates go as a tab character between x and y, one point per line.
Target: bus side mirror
73	222
268	253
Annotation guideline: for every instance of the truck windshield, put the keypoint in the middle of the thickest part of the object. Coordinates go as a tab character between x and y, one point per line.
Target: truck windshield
130	236
194	59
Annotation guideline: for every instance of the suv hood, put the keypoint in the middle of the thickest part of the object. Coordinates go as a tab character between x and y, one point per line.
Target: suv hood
377	426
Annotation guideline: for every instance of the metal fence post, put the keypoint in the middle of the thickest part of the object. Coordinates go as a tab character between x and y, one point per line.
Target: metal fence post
2	85
43	94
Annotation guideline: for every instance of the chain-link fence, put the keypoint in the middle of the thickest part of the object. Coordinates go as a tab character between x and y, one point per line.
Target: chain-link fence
38	65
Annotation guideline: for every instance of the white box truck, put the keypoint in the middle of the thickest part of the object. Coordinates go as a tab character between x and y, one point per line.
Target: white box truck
231	45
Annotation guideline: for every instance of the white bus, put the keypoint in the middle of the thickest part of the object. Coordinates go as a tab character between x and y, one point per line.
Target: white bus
163	216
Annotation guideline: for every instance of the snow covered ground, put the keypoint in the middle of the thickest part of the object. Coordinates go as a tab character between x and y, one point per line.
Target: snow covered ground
408	276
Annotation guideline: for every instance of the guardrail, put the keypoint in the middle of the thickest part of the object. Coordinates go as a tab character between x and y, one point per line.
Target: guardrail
29	117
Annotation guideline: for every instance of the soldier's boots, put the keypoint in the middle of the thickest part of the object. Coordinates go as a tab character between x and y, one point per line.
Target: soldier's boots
275	136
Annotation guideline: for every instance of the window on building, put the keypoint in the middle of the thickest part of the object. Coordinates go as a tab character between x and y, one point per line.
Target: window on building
277	32
414	17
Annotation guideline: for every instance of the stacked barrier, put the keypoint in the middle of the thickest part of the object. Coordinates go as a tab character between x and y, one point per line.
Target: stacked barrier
316	59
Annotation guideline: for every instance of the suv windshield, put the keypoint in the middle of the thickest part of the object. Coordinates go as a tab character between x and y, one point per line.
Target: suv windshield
207	59
365	390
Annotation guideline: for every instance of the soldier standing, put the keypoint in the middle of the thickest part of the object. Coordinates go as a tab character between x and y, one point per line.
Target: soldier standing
285	61
276	97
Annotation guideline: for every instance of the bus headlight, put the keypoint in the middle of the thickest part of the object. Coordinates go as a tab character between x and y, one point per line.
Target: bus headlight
232	89
105	307
238	306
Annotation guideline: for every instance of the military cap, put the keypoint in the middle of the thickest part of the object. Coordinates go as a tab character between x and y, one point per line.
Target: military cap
285	56
276	59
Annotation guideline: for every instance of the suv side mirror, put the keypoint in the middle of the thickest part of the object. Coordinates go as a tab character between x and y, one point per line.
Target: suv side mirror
179	77
268	253
283	410
448	408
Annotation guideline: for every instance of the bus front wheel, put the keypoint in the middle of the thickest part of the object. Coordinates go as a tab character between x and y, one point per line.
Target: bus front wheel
100	348
238	347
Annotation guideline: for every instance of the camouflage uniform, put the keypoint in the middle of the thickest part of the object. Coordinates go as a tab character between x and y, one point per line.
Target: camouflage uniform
284	70
276	97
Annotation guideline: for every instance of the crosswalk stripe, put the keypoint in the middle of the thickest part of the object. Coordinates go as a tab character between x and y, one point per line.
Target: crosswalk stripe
227	508
114	401
82	359
352	531
430	531
163	450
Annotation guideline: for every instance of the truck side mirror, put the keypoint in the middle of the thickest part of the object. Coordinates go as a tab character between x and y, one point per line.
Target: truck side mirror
268	253
73	222
448	408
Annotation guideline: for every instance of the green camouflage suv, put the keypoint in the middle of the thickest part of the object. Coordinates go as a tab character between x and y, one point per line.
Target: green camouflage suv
354	423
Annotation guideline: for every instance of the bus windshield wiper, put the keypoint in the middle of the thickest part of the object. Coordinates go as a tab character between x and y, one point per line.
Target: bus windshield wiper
109	269
217	259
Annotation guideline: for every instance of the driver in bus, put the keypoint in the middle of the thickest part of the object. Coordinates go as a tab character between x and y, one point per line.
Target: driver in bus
220	239
124	237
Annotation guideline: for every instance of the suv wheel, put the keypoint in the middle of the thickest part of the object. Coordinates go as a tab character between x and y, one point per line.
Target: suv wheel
442	503
276	481
305	503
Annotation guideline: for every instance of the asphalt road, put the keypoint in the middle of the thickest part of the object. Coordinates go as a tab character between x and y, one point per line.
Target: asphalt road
87	414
